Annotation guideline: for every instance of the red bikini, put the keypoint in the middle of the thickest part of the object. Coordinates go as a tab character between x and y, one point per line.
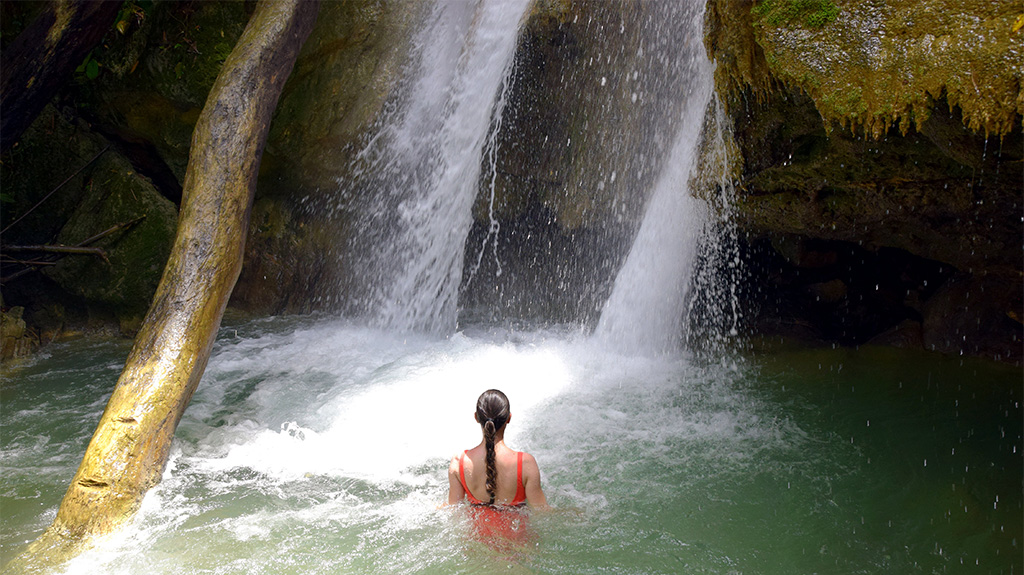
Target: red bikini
502	527
520	498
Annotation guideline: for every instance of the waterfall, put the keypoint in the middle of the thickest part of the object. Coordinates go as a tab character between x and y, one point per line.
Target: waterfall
423	164
646	309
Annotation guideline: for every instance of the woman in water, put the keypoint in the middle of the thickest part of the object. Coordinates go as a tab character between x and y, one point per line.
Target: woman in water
491	475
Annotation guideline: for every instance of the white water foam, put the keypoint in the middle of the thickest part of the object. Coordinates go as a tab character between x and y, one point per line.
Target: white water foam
411	411
335	432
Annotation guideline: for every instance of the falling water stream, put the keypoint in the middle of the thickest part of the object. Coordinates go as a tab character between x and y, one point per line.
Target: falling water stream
421	166
321	444
645	310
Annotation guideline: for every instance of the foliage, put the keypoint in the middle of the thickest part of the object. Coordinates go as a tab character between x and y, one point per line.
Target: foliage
809	13
89	68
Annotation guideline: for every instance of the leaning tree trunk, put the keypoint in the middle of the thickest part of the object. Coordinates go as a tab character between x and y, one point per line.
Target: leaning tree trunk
38	62
129	449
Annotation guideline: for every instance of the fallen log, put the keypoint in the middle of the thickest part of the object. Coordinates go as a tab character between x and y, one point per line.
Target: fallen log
58	250
33	265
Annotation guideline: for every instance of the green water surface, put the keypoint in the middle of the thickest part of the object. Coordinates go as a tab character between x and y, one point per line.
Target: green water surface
793	461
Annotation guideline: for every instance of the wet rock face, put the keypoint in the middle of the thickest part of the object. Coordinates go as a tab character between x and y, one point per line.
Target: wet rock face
870	65
94	190
342	79
15	339
919	176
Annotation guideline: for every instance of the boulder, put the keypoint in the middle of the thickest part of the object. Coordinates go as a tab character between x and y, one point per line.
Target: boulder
891	128
83	188
15	339
125	281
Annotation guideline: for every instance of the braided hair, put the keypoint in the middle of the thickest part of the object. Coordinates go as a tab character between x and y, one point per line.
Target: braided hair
492	413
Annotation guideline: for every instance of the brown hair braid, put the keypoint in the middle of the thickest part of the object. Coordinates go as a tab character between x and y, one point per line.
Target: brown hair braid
492	411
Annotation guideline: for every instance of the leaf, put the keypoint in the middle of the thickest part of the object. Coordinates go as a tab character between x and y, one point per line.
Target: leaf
81	67
1018	24
92	70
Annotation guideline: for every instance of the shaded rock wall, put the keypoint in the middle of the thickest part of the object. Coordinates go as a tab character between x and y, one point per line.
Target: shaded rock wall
342	79
881	186
66	184
138	96
118	132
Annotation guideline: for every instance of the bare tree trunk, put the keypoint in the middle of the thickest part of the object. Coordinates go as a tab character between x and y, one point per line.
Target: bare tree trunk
38	62
129	449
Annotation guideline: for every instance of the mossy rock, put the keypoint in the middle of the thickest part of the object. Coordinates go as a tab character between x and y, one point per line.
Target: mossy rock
136	255
341	80
155	69
52	157
290	261
15	338
939	194
869	66
173	49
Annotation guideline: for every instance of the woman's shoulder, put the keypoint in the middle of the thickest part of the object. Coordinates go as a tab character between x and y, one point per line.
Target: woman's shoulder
456	459
526	455
528	460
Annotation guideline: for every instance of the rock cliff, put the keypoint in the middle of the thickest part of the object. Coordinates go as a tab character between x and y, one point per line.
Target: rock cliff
881	184
879	178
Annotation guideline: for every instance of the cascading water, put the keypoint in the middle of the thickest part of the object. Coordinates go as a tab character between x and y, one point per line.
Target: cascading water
422	165
321	446
645	311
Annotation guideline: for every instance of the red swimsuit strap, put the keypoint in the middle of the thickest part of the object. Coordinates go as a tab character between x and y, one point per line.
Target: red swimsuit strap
520	488
520	497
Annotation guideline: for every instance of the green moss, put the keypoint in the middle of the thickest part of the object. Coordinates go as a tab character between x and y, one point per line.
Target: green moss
899	63
51	150
126	281
849	105
809	13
